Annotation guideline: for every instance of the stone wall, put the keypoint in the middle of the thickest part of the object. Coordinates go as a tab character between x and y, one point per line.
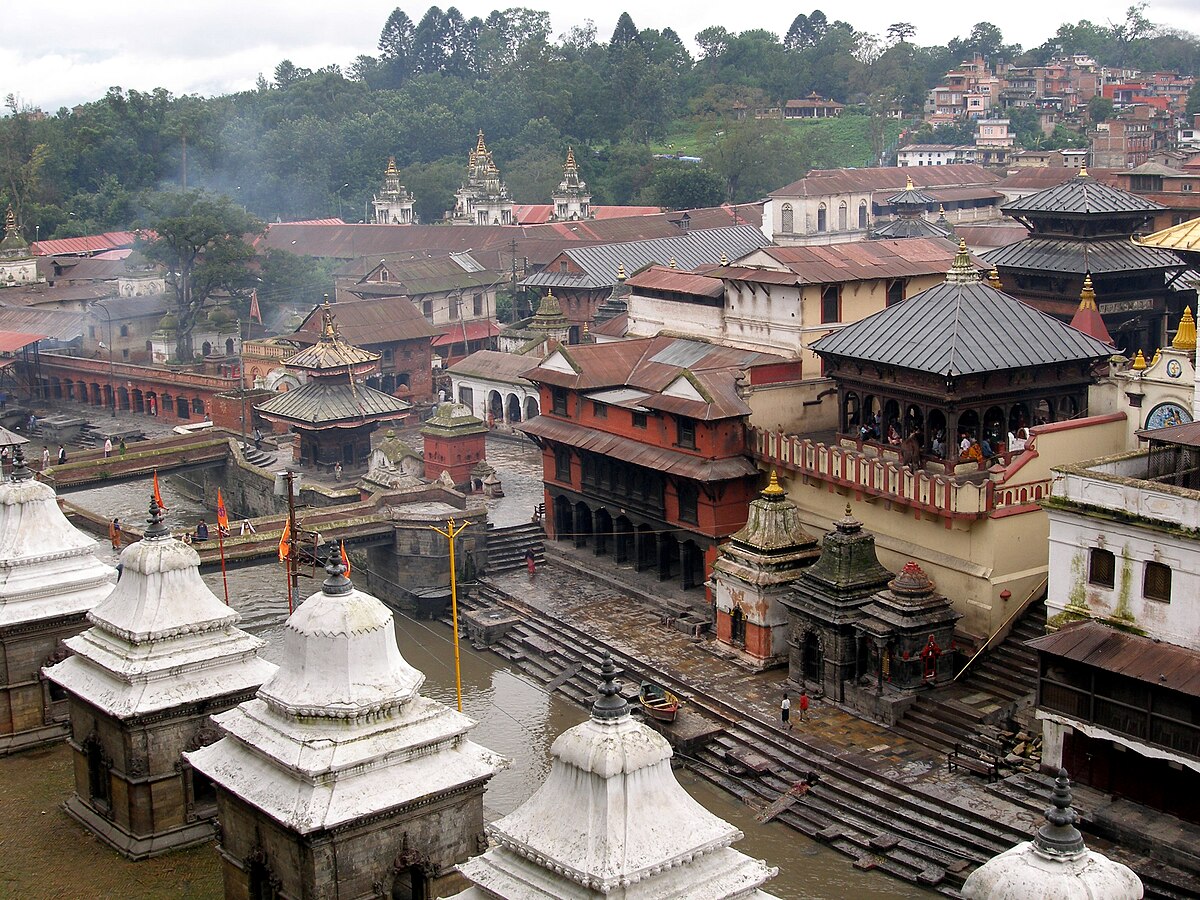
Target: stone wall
28	714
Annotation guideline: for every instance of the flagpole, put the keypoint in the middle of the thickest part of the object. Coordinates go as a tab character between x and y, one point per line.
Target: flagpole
450	534
221	544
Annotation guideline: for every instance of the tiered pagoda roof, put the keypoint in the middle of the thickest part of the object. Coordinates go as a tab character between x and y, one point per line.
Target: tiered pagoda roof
1082	195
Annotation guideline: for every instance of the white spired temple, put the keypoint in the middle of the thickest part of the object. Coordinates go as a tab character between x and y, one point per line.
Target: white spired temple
340	779
612	821
49	579
162	655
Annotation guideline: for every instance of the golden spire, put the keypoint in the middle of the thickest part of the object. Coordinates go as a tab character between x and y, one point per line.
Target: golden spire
391	167
480	146
673	263
908	185
962	271
1139	362
1087	297
570	165
621	276
1083	172
328	327
1185	336
994	279
773	490
1157	355
10	221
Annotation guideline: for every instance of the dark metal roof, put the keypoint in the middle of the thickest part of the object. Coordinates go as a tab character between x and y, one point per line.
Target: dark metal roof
370	322
1187	434
1166	665
908	227
320	402
1077	257
696	248
1082	195
59	325
494	365
674	462
958	329
855	261
660	278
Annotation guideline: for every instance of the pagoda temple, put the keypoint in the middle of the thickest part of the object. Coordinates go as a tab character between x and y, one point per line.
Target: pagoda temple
49	579
339	779
752	572
333	411
911	205
825	606
483	198
611	821
1084	227
394	204
962	358
162	655
17	264
572	199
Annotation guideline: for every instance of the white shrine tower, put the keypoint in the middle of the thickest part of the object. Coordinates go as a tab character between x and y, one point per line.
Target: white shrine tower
339	779
612	821
162	655
394	204
49	579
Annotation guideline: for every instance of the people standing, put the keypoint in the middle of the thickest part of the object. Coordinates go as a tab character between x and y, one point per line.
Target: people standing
337	471
45	457
114	534
121	448
785	711
62	455
107	447
530	563
202	531
804	706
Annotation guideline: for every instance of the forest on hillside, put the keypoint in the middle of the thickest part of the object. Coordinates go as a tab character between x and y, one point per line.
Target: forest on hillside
306	144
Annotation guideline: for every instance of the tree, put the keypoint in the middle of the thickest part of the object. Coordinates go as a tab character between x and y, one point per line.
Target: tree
201	239
679	185
1193	100
396	47
625	33
292	279
900	32
1099	109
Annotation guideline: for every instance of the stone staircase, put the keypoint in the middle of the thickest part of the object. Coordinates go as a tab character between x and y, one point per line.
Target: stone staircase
257	457
507	546
1000	683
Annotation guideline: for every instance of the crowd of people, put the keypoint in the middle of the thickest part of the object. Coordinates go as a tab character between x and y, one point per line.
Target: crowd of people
971	448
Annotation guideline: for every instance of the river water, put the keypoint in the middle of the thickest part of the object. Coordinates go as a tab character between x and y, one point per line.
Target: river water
516	717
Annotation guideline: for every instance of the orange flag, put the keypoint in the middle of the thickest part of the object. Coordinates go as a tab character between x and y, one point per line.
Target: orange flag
255	312
345	559
222	515
284	549
157	495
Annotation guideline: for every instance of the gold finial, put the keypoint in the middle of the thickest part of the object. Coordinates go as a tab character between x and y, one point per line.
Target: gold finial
962	271
1087	297
570	164
391	167
673	263
1139	362
773	489
10	221
621	276
1157	355
908	185
942	210
328	327
1083	172
994	279
1185	336
480	146
848	513
724	260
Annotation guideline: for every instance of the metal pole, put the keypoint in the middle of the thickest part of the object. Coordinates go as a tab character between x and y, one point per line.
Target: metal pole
293	576
450	534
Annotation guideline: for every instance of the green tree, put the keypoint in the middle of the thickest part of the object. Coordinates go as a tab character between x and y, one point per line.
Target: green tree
287	278
1193	100
625	33
1099	109
679	185
201	239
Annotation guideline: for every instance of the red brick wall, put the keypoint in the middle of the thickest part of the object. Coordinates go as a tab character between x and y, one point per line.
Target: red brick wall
457	455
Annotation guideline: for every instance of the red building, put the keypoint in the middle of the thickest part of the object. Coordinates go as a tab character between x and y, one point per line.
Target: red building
644	449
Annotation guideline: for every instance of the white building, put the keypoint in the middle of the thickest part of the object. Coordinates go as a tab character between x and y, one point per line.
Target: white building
483	198
612	821
490	384
49	579
572	199
17	265
394	204
935	155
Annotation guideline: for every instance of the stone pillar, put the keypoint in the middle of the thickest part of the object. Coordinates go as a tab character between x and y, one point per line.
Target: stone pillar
1053	734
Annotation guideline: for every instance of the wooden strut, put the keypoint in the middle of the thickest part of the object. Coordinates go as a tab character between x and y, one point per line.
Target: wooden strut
785	800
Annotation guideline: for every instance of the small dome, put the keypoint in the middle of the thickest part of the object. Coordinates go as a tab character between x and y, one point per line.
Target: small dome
912	580
220	316
169	322
340	657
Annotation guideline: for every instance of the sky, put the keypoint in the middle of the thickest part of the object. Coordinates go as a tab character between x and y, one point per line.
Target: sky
76	51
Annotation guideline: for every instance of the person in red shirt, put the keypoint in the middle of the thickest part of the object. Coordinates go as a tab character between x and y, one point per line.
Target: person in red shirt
804	706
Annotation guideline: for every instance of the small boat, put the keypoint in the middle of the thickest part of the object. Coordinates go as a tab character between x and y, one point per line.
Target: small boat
658	702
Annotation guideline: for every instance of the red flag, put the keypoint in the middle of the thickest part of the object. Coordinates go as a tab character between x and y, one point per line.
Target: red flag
284	548
345	559
222	515
157	495
255	312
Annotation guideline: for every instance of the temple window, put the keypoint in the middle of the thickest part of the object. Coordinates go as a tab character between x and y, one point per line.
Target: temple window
687	432
688	502
822	216
1156	582
1102	568
787	218
831	303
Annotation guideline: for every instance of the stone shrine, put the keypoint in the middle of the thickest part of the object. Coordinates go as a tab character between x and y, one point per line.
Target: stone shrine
17	263
455	442
611	821
483	198
908	630
49	579
825	606
1055	865
162	655
752	572
339	779
572	199
394	204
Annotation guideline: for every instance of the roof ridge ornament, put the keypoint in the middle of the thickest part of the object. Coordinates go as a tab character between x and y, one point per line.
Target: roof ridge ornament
1185	336
337	584
994	279
1059	836
962	271
1083	172
1139	362
773	490
1087	297
20	471
156	528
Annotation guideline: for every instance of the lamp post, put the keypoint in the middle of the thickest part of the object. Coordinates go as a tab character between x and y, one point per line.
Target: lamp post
341	209
112	384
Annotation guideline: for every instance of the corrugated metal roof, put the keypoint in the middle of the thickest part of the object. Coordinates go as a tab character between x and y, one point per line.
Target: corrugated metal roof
660	278
1078	257
823	182
477	330
12	341
600	263
371	322
59	325
908	227
862	260
494	365
1160	663
539	213
1082	195
958	329
92	243
663	459
1185	237
322	402
1187	434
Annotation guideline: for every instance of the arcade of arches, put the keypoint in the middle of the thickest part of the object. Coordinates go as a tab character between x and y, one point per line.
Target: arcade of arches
649	544
180	403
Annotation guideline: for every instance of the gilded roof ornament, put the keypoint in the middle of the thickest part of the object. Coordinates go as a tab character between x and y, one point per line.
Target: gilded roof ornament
724	260
570	165
1157	356
673	266
994	279
1185	336
773	491
480	146
1087	297
621	276
908	184
392	171
10	221
1139	362
1083	172
963	270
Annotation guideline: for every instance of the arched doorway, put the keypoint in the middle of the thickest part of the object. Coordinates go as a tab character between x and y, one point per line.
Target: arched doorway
137	400
851	414
691	564
531	408
229	346
603	535
495	407
737	627
646	555
514	409
937	432
622	539
564	527
123	397
583	524
994	426
152	403
968	424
